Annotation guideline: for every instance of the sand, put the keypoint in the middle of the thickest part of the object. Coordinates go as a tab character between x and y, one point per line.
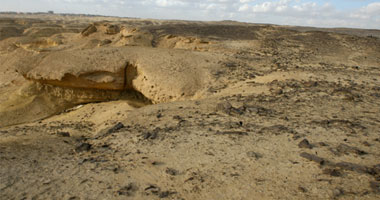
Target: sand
120	108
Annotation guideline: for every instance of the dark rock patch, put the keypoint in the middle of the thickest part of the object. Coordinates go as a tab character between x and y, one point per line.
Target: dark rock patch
83	147
346	149
305	144
241	133
128	190
63	134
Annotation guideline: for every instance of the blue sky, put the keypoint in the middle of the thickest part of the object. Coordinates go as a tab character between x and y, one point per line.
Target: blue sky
320	13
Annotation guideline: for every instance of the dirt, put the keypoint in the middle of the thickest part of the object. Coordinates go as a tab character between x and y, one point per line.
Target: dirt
119	108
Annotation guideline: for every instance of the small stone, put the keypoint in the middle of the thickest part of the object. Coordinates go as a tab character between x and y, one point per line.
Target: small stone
255	155
338	192
353	167
156	163
376	169
346	149
159	115
305	144
164	194
177	117
375	186
105	42
153	189
127	190
302	189
83	147
322	144
278	91
314	158
171	171
242	133
63	134
365	143
333	172
115	128
150	135
224	107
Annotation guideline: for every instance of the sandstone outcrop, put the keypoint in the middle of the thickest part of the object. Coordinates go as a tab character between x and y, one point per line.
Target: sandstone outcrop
89	30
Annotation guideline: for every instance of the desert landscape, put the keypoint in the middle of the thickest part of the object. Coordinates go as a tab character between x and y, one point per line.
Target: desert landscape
95	107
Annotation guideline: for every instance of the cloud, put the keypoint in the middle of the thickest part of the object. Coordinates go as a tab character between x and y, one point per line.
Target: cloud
169	3
334	13
370	13
244	8
372	8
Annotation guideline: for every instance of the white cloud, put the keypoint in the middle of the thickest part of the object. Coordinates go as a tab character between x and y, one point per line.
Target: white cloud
244	7
168	3
245	1
372	8
292	12
371	11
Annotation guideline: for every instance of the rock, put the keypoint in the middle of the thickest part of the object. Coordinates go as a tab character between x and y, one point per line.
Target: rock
177	117
302	189
127	190
115	128
353	167
376	169
153	189
227	108
83	147
255	155
63	134
375	186
224	107
171	171
367	144
305	144
346	149
107	131
164	194
322	144
231	133
128	32
314	158
333	172
261	111
155	163
150	135
89	30
105	42
112	29
276	130
238	111
338	192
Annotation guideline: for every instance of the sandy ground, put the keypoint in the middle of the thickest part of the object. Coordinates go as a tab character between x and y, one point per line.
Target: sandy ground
114	108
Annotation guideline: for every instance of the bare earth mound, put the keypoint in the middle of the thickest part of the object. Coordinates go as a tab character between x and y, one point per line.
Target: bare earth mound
115	108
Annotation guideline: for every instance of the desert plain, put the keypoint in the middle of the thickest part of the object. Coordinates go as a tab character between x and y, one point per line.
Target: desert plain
96	107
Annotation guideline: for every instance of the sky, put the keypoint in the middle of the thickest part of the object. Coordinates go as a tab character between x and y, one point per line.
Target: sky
319	13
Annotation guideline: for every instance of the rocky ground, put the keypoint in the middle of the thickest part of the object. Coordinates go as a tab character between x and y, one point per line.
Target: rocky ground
114	108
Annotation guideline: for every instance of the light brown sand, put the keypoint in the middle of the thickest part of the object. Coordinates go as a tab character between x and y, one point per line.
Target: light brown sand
149	109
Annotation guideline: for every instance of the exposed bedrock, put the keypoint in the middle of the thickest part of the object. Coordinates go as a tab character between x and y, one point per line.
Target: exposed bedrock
161	75
35	101
63	79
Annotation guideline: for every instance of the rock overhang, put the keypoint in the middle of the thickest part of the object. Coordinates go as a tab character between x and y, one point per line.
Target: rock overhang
161	75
